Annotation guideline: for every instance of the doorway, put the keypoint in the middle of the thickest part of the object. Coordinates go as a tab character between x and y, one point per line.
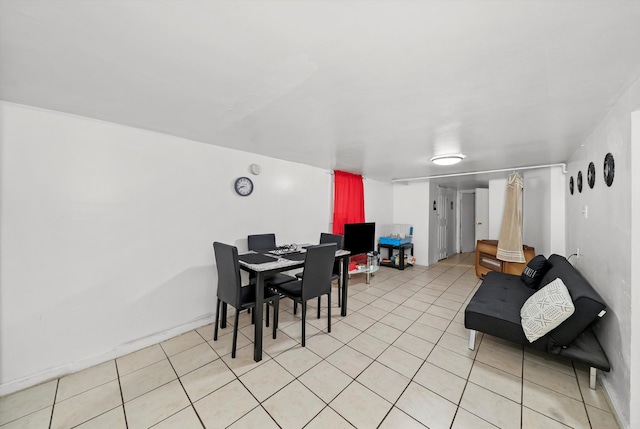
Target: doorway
467	221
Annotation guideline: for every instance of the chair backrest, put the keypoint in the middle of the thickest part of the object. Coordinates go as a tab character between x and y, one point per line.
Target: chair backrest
229	281
318	267
261	242
332	238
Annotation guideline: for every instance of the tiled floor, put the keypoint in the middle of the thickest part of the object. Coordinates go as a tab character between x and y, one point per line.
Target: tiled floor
398	360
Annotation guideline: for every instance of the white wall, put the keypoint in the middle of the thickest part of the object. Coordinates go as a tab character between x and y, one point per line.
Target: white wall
378	207
635	271
604	239
106	235
544	210
411	206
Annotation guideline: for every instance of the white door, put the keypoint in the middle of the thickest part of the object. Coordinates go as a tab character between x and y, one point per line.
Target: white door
467	222
441	211
482	213
451	221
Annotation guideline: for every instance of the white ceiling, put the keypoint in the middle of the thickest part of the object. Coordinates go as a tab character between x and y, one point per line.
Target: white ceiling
370	87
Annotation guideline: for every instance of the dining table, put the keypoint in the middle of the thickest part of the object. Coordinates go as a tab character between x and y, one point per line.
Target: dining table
263	263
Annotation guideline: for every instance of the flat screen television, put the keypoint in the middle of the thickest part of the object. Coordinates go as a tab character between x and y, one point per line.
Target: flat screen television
359	237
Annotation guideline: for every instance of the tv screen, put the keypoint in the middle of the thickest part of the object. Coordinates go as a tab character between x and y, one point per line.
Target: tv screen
359	237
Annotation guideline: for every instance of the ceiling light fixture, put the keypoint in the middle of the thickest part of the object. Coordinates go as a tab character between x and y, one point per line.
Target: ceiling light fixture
447	159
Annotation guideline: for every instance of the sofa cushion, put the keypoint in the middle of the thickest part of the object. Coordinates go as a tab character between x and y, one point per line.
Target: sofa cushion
534	271
588	304
545	310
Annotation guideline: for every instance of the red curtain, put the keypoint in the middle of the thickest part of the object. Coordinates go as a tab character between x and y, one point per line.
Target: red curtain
348	200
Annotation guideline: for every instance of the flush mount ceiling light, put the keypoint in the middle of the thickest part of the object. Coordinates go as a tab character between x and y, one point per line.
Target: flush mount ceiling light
447	159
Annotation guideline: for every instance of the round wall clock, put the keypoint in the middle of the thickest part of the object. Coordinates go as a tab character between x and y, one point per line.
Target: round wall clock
591	175
571	185
609	169
579	181
243	186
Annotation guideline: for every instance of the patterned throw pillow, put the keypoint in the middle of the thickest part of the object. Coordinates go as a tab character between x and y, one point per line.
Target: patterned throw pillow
546	309
534	271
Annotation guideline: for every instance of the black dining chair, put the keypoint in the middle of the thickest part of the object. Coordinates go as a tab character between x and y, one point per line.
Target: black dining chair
315	282
335	274
231	291
264	243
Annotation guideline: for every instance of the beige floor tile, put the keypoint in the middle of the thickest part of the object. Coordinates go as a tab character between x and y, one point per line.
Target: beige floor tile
426	332
181	343
243	361
295	331
358	321
224	344
207	379
545	359
372	312
458	329
406	313
384	304
435	321
384	381
457	344
37	420
448	304
450	361
500	382
328	418
266	380
594	397
535	420
400	361
187	419
559	407
500	345
257	418
369	345
601	419
86	379
86	405
294	406
466	420
325	380
414	345
323	344
428	408
384	332
226	405
27	401
491	407
146	379
397	419
113	419
344	332
349	361
442	382
498	359
396	297
137	360
282	343
298	360
366	297
193	358
417	304
360	406
552	379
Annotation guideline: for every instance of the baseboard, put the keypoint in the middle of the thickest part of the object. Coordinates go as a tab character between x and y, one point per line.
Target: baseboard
614	409
124	349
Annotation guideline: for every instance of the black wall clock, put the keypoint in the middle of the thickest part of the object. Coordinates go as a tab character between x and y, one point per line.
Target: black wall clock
243	186
591	175
571	185
609	169
579	181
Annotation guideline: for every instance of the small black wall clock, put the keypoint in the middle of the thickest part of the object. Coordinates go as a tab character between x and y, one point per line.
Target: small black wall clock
571	185
243	186
609	169
591	175
579	181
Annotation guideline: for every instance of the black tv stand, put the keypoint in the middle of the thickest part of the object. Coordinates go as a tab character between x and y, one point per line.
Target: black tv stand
401	248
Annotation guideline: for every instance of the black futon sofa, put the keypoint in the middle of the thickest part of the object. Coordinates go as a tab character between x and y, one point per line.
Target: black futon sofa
495	310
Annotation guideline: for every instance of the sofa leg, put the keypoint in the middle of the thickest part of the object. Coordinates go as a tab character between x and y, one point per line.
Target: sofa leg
472	339
592	378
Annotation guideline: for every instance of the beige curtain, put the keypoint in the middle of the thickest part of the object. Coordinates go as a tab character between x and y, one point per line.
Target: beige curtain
510	243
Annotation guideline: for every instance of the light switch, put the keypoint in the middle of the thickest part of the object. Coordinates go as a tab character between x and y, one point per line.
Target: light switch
585	212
